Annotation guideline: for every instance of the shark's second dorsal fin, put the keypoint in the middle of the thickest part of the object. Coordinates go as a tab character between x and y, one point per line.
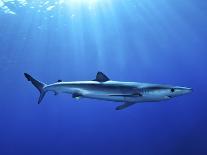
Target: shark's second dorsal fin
101	77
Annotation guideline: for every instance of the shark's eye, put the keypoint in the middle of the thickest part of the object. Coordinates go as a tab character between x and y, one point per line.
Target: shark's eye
172	90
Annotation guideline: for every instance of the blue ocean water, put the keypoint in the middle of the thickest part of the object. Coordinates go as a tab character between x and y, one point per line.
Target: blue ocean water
129	40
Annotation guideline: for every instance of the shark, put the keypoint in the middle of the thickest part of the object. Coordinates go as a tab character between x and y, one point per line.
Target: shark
102	88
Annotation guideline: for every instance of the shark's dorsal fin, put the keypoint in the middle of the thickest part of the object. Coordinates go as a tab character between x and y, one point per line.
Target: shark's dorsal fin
101	77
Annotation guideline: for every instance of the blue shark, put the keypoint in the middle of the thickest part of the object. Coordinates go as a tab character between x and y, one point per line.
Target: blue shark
102	88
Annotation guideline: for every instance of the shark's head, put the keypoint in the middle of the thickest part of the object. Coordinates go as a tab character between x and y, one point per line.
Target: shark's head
177	91
160	92
170	91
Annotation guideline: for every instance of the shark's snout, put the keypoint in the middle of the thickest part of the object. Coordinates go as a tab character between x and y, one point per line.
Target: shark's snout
184	90
187	90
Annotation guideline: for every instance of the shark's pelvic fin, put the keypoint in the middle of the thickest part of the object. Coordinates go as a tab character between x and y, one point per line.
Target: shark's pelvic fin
101	77
39	85
76	95
125	105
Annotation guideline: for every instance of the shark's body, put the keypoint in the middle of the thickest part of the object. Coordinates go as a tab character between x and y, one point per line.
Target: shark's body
103	88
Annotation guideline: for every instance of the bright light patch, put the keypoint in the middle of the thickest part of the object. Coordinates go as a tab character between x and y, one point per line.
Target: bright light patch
79	1
74	3
47	5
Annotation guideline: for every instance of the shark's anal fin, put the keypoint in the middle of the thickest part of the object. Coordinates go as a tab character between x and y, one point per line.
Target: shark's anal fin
76	95
125	105
101	77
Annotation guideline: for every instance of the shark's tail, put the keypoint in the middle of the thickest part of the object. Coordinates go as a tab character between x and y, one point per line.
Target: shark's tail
39	85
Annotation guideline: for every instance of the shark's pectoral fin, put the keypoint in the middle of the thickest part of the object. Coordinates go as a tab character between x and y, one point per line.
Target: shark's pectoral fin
127	95
125	105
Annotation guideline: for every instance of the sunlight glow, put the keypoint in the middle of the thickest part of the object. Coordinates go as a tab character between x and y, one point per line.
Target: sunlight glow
6	6
78	2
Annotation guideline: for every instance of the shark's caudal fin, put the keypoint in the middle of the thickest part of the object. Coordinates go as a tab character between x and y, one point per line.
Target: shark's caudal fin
39	85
